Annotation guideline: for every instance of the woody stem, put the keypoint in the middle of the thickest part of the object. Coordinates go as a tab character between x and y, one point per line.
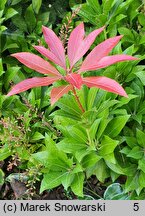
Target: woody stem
78	100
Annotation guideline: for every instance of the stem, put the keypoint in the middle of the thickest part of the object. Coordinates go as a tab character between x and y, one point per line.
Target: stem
78	100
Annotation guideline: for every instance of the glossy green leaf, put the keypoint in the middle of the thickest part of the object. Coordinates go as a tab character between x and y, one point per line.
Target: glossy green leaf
37	136
78	134
141	76
101	170
136	153
14	2
70	145
10	13
36	5
115	167
51	180
116	125
67	180
77	184
2	4
140	138
9	75
30	18
5	152
93	129
107	146
1	177
132	183
141	165
95	5
90	160
142	179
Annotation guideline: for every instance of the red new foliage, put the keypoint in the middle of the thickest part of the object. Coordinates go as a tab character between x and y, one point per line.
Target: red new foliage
78	45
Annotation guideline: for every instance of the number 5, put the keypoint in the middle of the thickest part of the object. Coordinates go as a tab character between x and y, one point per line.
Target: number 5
136	206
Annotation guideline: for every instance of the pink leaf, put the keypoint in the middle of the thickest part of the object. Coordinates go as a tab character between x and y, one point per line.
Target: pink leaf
105	83
55	45
87	42
99	52
74	79
58	92
36	63
75	41
109	60
77	45
48	54
31	83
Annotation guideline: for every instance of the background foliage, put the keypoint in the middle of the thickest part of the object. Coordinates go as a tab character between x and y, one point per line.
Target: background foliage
44	147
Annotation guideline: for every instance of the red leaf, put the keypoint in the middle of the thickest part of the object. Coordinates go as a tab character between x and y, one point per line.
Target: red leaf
36	63
77	45
31	83
48	54
109	60
55	45
58	92
75	41
105	83
99	52
74	79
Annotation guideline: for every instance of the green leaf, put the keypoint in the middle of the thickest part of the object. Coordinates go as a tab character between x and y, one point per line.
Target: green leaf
115	167
103	124
2	4
116	125
141	165
9	75
90	159
110	158
19	22
78	134
5	152
141	18
51	180
1	177
1	67
77	184
131	141
41	157
70	145
132	183
81	153
67	180
107	146
141	76
30	18
142	179
140	138
95	5
125	150
57	159
107	6
37	136
14	2
10	13
44	17
91	98
114	192
101	170
93	129
36	5
78	168
69	105
136	153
